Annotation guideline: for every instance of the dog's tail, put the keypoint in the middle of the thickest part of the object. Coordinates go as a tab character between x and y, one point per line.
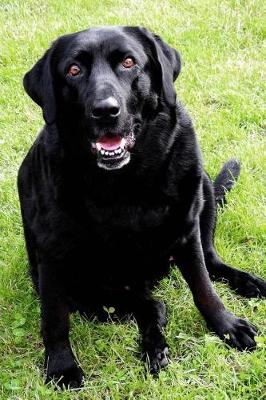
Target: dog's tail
225	180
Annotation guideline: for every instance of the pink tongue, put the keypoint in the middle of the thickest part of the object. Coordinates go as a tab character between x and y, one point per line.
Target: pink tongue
110	143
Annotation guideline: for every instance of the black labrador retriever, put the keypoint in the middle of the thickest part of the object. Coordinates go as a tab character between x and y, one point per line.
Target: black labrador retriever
113	188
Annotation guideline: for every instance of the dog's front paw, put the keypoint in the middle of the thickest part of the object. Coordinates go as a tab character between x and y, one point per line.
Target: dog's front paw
248	285
157	359
155	354
66	378
234	331
63	370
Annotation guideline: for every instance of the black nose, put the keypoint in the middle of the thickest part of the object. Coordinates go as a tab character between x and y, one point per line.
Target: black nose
105	108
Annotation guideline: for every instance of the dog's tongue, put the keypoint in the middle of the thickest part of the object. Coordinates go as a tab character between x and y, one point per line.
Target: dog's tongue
110	143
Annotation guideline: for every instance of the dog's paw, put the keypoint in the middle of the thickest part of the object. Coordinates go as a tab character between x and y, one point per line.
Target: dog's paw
248	285
157	359
236	332
70	378
62	369
155	353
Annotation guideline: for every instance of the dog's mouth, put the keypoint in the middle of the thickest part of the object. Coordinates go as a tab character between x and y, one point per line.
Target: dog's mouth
113	151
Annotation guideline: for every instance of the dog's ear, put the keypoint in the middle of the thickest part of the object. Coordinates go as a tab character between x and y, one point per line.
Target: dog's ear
168	64
38	83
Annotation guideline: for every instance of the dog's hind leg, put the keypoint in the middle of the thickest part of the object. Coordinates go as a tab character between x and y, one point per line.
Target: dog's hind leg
190	259
242	282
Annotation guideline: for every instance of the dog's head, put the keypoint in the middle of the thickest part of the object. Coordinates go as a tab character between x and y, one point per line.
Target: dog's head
102	85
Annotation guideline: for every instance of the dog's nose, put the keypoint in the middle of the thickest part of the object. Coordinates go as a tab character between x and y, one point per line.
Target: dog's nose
105	108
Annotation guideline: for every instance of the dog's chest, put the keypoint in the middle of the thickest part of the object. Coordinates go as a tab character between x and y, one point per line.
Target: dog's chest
136	230
129	217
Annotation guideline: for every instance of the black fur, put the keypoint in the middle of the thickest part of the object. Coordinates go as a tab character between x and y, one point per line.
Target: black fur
100	232
225	180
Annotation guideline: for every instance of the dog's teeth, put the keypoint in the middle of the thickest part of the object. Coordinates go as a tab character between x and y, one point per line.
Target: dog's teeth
107	153
123	142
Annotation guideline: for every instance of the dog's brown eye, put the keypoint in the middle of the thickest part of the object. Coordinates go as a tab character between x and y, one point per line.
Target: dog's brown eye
128	62
73	70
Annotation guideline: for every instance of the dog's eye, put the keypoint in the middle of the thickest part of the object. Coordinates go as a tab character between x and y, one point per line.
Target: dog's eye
128	62
73	70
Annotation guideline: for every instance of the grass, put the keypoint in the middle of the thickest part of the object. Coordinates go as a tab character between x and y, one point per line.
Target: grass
222	84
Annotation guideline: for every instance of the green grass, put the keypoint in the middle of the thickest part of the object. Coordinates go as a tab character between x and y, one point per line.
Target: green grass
222	84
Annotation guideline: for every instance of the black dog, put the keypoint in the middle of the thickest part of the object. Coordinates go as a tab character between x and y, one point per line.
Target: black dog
113	187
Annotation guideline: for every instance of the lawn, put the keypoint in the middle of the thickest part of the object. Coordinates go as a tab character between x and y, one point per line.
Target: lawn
222	84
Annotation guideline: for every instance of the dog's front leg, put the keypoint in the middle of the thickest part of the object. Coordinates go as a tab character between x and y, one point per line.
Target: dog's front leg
236	332
60	362
151	318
